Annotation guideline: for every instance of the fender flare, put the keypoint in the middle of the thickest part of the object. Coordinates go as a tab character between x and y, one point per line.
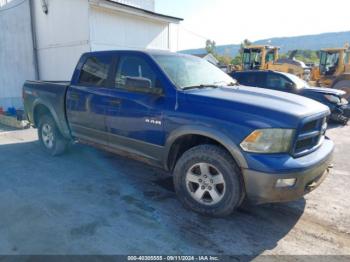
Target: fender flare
218	136
39	102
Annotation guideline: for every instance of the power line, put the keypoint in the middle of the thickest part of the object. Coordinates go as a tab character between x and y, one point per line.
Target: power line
194	33
14	6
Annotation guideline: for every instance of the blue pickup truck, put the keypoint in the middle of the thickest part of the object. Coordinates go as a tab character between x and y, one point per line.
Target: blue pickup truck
223	144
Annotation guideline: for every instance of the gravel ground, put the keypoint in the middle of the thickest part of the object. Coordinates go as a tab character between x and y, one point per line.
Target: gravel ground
92	202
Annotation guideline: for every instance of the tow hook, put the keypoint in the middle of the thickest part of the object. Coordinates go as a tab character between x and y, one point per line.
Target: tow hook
329	167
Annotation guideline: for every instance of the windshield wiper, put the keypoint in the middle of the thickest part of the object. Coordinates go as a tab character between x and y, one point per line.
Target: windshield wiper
233	84
199	87
224	83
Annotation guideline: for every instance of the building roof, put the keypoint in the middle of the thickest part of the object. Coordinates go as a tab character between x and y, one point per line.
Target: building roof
210	57
144	11
201	55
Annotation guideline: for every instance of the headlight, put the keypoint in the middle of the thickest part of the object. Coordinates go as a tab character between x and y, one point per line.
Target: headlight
274	140
333	99
343	101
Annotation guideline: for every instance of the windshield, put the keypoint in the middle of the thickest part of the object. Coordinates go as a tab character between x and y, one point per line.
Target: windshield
299	83
188	71
328	62
251	59
329	58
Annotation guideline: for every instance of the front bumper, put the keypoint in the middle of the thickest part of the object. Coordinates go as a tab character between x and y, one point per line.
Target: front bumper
341	113
261	186
346	110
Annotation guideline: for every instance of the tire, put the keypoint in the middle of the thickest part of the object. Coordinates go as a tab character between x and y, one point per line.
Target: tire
345	86
218	199
50	137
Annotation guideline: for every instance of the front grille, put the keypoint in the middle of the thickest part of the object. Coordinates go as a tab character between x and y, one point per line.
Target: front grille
304	144
310	136
309	126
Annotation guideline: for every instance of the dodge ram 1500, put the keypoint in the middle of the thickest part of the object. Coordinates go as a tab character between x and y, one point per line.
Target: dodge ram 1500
222	143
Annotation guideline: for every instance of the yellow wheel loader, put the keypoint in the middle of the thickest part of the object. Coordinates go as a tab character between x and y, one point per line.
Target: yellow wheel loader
334	69
265	57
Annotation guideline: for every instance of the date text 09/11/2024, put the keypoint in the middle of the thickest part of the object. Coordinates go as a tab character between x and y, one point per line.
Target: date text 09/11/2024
173	258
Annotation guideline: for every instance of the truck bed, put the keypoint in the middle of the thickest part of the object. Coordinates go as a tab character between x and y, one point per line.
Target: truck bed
51	94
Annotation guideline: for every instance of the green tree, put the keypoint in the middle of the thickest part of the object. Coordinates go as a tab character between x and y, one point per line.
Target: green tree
307	56
210	47
245	43
237	60
224	59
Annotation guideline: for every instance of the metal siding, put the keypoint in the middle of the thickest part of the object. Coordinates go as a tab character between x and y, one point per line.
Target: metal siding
16	53
116	30
59	63
69	29
62	36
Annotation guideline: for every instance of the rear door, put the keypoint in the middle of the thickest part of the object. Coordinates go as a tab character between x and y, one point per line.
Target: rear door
138	127
88	99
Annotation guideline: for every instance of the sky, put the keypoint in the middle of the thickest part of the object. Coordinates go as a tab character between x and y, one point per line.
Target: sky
232	21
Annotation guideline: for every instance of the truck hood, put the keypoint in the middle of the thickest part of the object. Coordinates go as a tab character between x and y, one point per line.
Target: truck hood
322	90
273	106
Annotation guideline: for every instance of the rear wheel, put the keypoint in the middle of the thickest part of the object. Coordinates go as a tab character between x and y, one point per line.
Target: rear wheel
50	137
208	181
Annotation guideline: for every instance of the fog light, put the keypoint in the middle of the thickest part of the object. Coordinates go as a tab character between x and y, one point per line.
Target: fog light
288	182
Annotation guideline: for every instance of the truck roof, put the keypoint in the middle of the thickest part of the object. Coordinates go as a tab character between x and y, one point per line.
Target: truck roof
136	51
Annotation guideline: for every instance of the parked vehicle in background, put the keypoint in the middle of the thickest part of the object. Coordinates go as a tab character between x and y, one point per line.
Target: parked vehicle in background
222	143
333	98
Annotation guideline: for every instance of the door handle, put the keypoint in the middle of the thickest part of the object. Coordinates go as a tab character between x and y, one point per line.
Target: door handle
74	96
115	102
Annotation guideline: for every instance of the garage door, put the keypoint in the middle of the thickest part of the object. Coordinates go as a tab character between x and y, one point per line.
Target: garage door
117	30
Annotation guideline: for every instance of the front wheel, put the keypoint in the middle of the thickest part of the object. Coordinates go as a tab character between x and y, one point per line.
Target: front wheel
50	137
208	181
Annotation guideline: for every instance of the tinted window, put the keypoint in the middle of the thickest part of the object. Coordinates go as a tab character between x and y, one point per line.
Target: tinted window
278	82
134	68
248	79
95	71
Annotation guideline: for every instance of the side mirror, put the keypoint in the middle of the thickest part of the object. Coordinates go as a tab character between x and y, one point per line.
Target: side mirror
289	86
142	85
137	83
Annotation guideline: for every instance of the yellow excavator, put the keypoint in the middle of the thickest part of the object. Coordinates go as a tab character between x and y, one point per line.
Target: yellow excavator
265	57
333	70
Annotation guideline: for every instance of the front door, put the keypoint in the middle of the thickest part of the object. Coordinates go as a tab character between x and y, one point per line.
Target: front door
139	123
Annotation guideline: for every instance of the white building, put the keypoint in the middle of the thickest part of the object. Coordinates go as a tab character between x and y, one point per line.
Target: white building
43	39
